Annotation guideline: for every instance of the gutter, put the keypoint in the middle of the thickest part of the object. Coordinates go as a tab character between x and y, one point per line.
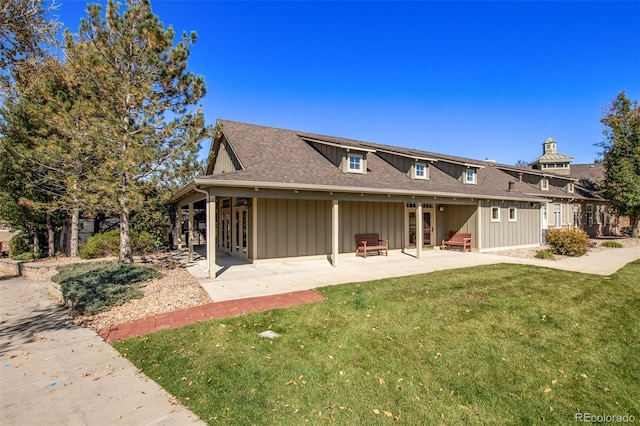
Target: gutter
343	189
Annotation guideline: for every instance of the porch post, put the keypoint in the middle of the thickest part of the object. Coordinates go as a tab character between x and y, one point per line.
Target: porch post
211	236
190	232
254	229
479	227
334	233
419	230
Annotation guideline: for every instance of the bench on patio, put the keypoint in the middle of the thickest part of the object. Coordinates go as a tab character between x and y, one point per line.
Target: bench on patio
462	239
371	242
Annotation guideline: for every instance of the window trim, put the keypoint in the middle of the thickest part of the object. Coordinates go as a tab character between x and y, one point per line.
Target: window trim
515	214
425	175
496	209
544	184
360	157
466	176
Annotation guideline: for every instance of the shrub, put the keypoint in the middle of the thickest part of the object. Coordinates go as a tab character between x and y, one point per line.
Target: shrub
612	244
29	255
95	287
568	242
544	254
108	244
19	245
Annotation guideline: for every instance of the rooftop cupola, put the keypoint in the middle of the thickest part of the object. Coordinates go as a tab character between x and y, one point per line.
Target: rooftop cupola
551	160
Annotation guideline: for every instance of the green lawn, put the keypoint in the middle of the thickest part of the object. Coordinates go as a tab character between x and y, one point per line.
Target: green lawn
501	344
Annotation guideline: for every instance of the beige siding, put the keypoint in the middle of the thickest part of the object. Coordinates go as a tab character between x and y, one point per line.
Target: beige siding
225	160
292	228
332	153
367	217
524	231
401	163
456	218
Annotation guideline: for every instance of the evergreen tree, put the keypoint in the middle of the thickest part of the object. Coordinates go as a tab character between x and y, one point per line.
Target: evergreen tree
137	111
621	157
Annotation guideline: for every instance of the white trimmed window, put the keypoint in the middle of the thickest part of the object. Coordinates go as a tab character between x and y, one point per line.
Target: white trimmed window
470	176
589	214
355	163
544	184
495	214
570	187
513	214
421	171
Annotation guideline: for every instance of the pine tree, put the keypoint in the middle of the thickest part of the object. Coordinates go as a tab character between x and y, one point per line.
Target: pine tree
138	110
621	157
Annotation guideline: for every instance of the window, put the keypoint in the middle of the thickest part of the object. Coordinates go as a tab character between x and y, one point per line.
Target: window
495	214
421	171
576	215
570	187
470	176
589	214
513	214
557	215
355	163
544	185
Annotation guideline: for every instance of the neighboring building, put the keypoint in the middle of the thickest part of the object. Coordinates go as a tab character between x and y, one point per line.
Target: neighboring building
597	217
272	193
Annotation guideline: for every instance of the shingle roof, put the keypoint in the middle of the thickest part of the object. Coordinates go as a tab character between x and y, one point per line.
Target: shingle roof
272	155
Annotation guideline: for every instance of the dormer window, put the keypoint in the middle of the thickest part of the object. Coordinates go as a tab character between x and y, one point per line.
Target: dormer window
355	163
421	171
470	176
544	184
570	187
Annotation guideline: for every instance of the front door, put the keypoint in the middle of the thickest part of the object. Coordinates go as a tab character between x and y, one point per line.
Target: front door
428	227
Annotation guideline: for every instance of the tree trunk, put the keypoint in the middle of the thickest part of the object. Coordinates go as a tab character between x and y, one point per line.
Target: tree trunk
634	226
73	242
51	237
36	242
125	237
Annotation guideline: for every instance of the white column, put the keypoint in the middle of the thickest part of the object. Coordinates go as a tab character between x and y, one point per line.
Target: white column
419	230
479	226
211	236
334	233
190	232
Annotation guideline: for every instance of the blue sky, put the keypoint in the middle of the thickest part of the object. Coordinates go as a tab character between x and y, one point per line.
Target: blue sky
474	79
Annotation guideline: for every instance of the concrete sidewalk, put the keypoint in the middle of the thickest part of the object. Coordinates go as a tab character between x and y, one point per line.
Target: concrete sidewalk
236	280
56	373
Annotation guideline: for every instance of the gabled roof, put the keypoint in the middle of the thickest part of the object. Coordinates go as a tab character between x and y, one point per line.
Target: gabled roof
280	158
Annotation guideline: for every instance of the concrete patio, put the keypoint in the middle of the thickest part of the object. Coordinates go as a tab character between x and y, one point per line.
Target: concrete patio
235	279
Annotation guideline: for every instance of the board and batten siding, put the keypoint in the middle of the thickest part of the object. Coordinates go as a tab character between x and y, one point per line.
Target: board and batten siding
503	234
368	217
293	228
459	218
225	159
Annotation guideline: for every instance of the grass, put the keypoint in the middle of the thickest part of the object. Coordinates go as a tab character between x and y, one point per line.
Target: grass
500	344
612	244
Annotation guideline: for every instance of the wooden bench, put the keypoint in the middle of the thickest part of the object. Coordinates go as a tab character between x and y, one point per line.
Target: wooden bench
369	242
461	239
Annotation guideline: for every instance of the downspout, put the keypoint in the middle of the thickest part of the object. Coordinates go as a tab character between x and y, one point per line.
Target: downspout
202	191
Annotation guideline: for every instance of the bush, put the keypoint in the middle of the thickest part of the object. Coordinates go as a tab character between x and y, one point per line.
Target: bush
544	254
612	244
19	245
29	255
95	287
568	242
108	244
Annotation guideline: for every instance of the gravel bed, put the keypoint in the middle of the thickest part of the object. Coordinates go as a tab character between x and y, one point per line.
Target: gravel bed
176	289
594	245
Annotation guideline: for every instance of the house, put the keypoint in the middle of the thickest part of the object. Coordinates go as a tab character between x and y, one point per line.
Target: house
272	193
